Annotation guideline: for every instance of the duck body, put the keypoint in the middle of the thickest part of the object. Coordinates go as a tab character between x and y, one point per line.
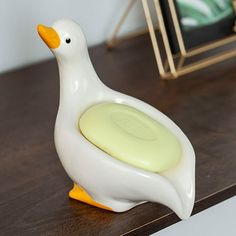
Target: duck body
107	181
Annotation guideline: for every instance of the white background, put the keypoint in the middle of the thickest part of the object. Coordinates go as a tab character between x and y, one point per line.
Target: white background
218	220
20	44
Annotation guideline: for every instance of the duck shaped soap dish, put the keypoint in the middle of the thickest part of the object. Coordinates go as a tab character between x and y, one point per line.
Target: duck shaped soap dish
119	151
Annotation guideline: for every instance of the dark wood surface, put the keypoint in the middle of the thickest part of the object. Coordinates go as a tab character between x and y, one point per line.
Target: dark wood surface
34	186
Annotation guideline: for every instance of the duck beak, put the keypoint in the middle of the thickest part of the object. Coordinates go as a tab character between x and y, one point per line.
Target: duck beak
49	36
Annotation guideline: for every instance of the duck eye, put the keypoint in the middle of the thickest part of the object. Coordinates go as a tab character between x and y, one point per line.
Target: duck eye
68	40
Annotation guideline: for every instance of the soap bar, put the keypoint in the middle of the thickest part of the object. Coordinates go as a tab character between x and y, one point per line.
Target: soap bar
131	136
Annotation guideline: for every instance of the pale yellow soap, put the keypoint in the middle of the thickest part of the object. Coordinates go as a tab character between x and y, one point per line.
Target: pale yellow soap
130	136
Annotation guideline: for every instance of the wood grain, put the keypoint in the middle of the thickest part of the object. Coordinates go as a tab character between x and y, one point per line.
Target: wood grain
34	186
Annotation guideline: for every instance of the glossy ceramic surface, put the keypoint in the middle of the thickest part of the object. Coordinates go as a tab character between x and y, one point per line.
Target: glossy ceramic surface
107	180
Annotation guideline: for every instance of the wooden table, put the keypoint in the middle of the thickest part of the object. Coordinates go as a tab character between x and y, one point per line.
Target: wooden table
34	186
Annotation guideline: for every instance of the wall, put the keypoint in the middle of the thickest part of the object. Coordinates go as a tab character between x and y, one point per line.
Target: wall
20	44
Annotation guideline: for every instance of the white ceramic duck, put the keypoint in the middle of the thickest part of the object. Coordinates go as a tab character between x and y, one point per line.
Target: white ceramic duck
100	179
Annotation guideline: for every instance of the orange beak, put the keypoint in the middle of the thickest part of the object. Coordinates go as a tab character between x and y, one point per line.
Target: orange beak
49	36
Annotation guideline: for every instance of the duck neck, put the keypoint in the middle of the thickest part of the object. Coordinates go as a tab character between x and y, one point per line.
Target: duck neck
77	78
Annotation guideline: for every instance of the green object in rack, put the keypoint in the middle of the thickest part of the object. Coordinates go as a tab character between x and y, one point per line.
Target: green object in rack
199	13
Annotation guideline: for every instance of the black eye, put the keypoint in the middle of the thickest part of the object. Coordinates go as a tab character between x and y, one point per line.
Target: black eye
68	40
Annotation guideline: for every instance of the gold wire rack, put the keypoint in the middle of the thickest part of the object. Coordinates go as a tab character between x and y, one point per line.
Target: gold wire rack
173	65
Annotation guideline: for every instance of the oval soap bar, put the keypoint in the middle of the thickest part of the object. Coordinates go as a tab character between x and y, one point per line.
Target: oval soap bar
131	136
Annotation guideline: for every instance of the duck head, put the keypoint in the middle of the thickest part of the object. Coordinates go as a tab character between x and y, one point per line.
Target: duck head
68	44
65	39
